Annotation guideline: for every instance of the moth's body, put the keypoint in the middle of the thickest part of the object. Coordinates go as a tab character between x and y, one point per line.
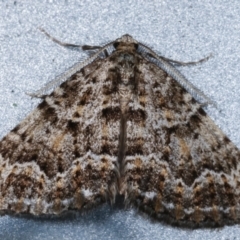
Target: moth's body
121	126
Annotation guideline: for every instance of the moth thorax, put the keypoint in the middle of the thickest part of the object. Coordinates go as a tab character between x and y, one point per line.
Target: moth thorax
126	68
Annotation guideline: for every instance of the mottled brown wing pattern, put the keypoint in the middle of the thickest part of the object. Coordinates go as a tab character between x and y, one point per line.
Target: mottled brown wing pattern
64	154
121	126
184	169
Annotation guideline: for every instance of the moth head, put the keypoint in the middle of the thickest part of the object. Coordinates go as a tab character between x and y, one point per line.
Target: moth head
126	38
125	41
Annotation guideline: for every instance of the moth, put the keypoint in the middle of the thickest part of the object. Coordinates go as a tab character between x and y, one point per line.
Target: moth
121	124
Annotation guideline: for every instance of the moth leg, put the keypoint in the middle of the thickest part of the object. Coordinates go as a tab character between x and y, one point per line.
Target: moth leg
88	47
180	63
70	45
34	95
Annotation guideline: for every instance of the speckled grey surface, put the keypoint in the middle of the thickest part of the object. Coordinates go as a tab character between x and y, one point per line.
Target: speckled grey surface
183	30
